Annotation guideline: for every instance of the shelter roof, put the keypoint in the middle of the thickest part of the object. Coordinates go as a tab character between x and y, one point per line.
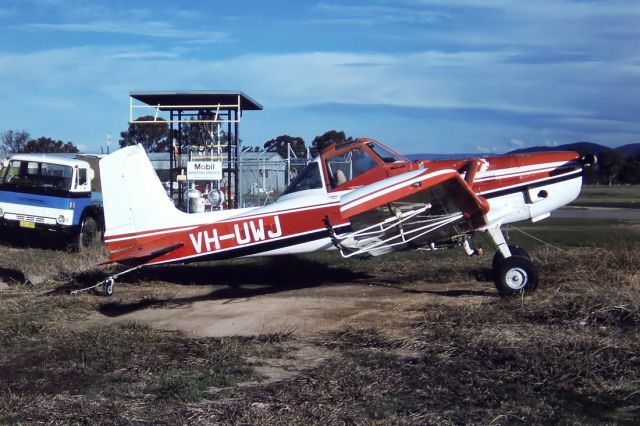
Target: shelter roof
166	99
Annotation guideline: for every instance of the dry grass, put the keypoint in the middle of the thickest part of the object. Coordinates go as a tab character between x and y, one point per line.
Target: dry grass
46	268
570	353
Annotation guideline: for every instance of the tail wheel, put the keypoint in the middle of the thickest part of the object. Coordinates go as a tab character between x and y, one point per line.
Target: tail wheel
89	233
498	258
516	275
107	287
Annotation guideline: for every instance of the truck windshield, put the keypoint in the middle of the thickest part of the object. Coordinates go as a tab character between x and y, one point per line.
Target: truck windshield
36	174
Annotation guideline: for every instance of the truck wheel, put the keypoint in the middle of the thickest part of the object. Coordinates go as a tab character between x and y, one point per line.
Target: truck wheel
516	275
89	233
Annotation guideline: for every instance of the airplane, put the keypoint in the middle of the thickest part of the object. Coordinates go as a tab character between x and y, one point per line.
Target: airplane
358	197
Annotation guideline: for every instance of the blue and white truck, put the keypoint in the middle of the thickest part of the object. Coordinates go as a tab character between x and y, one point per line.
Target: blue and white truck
42	193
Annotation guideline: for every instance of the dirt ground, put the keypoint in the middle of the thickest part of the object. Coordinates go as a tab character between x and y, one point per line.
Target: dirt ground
218	310
401	339
304	314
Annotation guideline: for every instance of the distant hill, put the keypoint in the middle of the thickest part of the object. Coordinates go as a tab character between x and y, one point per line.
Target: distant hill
629	149
582	147
577	146
432	156
626	150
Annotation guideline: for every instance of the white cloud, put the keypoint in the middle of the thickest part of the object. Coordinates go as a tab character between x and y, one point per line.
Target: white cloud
546	70
487	149
462	80
148	29
549	8
378	14
6	12
517	143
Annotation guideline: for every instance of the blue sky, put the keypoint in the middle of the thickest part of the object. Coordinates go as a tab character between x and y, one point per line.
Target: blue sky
420	75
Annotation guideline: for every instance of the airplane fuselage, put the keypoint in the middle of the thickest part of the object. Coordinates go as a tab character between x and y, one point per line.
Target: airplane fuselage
516	188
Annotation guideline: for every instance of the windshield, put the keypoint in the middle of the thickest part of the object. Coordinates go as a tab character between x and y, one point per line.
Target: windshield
343	167
35	174
385	154
309	178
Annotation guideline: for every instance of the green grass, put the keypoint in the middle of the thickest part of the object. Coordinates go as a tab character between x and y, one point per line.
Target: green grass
190	384
567	232
609	196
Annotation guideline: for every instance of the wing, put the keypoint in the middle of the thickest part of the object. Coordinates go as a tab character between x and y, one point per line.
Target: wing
412	210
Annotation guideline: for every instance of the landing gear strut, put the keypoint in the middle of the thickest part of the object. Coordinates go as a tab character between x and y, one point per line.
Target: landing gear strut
513	271
498	258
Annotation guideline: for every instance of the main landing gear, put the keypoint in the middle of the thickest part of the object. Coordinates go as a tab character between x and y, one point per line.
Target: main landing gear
513	271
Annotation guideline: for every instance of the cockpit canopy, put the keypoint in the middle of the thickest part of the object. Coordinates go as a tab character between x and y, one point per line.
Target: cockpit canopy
347	166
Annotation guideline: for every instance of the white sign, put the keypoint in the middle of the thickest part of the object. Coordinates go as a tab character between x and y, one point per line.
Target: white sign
204	170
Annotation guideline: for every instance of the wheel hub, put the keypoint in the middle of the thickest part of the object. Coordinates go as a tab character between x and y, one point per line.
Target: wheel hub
516	278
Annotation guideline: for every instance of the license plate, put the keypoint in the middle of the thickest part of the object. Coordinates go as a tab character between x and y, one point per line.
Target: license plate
26	224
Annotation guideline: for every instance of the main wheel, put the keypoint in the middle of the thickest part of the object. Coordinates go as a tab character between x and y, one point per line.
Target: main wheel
498	258
89	234
516	275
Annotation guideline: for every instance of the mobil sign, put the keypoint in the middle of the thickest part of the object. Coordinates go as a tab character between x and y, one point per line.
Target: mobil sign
204	170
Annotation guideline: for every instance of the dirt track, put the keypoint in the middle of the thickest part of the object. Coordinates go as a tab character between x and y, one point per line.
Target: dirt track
321	340
218	310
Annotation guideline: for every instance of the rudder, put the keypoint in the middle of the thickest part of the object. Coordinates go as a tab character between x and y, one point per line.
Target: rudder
134	199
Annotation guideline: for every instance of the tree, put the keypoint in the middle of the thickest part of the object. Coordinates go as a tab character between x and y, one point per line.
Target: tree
43	144
201	134
14	141
282	143
610	163
19	142
153	136
630	172
332	136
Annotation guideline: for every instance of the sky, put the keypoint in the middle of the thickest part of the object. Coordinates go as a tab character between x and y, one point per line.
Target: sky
438	76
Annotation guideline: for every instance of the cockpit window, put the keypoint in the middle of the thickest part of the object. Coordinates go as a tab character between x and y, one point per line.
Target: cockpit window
343	167
386	155
308	178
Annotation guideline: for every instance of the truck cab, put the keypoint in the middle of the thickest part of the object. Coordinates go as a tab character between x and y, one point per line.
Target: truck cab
51	193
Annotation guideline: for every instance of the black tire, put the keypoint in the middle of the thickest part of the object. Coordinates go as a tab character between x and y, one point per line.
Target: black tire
107	287
517	275
498	258
88	235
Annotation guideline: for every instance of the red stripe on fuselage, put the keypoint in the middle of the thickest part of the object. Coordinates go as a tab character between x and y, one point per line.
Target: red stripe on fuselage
204	239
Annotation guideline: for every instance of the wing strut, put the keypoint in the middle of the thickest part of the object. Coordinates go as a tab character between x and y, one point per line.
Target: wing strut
398	230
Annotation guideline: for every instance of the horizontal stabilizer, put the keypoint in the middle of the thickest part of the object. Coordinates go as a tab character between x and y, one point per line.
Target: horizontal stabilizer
137	254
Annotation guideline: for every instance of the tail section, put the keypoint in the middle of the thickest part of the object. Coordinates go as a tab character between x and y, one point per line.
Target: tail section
134	199
141	222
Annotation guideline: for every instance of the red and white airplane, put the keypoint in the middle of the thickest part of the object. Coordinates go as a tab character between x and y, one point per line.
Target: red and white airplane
359	197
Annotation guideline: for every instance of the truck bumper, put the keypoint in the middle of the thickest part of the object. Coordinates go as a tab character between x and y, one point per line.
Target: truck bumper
27	226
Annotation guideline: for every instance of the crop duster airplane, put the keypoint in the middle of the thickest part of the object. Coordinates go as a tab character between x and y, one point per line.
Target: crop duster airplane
358	197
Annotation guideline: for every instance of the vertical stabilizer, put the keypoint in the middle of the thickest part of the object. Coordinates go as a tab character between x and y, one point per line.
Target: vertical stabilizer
133	196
